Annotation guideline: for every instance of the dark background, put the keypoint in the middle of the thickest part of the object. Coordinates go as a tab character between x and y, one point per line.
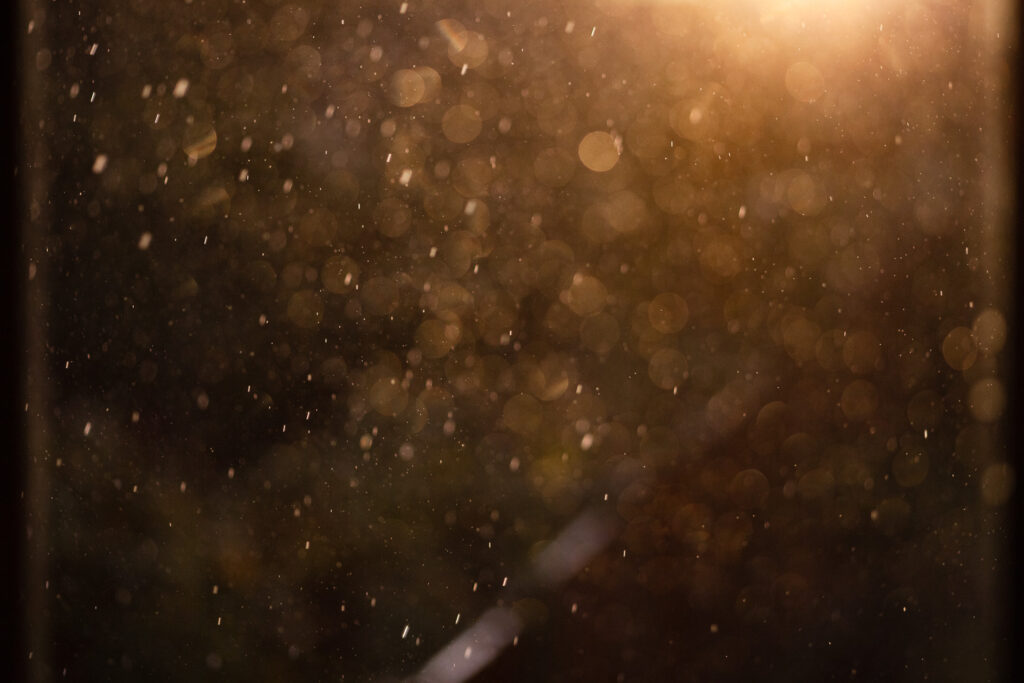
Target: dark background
127	610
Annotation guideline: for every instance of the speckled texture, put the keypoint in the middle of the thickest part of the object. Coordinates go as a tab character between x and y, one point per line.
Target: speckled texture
350	309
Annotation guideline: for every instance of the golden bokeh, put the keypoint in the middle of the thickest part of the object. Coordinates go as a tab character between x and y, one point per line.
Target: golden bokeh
804	81
668	312
598	151
680	328
407	87
461	123
859	400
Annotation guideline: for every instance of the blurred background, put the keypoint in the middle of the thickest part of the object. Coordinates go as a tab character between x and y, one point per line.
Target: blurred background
647	340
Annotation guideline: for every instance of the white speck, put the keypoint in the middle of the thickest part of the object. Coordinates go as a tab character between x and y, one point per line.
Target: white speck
457	617
156	119
403	8
307	545
742	212
405	631
73	92
180	88
388	159
474	586
569	26
470	207
405	177
468	653
330	111
287	187
262	320
144	240
243	175
926	433
504	582
575	608
100	164
31	25
465	68
88	428
587	441
433	252
92	97
93	48
593	31
146	91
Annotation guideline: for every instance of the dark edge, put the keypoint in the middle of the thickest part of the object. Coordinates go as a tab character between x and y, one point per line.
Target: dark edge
1013	621
13	453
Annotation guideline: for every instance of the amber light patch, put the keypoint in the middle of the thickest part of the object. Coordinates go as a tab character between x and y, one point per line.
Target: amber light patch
461	123
804	82
598	151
